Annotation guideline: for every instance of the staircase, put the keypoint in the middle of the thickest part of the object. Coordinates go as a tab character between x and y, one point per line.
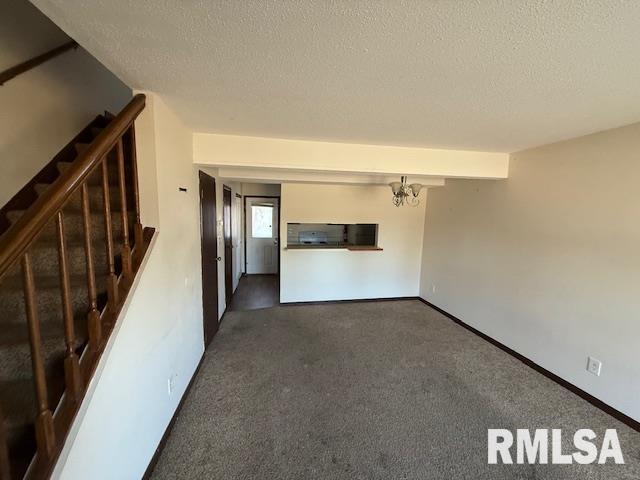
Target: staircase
70	247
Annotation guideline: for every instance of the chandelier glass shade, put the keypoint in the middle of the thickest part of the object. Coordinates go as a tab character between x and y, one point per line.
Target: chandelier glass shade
404	194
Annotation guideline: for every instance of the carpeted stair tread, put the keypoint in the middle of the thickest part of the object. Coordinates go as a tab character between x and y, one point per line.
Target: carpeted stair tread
95	178
74	226
82	147
18	332
95	131
44	259
15	360
96	200
15	334
19	408
48	297
19	400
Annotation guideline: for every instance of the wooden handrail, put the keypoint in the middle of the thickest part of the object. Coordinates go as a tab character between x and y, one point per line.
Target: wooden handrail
54	414
16	70
19	237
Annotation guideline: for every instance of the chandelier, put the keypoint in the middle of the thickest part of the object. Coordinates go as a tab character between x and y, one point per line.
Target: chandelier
404	194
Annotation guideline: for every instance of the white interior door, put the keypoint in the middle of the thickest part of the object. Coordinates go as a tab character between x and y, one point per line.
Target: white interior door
262	235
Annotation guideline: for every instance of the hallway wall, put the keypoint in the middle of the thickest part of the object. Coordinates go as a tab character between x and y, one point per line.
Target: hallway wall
339	274
547	262
158	338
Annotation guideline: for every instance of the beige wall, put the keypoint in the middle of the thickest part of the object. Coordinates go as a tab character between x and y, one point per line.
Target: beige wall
43	109
305	155
341	274
159	334
548	261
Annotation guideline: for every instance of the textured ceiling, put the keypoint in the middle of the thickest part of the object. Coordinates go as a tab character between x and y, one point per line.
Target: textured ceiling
480	75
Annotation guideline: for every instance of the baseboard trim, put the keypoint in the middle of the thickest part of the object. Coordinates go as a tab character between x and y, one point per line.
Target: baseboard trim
221	320
618	415
355	300
167	432
596	402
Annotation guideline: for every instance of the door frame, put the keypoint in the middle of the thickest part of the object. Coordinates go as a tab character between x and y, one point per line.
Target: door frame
228	292
208	325
245	227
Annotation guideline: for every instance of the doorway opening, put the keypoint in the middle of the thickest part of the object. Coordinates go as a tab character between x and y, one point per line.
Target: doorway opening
260	285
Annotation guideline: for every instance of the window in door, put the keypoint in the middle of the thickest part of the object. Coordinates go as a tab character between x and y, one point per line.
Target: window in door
261	221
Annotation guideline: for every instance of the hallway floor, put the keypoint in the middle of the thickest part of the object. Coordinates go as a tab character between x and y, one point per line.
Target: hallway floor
380	390
256	291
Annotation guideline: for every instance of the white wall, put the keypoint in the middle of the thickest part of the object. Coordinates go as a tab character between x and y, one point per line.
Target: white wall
308	275
44	108
313	156
160	333
547	262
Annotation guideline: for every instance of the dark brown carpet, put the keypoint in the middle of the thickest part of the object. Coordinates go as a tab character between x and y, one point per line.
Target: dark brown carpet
389	390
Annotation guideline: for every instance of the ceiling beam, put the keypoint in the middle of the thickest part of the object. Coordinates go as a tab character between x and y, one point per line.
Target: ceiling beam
270	175
346	158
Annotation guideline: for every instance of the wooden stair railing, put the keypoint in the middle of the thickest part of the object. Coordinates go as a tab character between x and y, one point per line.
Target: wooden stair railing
52	422
16	70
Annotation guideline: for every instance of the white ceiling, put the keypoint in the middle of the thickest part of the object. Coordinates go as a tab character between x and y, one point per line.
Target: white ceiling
477	74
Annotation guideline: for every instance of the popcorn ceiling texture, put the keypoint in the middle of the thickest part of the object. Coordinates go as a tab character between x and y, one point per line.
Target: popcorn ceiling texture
480	75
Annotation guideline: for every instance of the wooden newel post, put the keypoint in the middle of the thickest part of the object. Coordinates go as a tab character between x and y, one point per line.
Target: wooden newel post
95	328
127	268
45	434
72	376
137	231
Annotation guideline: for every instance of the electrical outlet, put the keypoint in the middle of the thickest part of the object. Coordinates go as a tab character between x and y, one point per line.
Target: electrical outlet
433	289
594	366
170	384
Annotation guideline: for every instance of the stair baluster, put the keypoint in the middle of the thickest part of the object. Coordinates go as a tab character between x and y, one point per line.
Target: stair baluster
95	328
127	268
72	376
112	280
19	246
137	230
5	471
45	434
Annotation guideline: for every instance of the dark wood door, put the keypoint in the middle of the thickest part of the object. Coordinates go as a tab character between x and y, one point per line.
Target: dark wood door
209	256
228	245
